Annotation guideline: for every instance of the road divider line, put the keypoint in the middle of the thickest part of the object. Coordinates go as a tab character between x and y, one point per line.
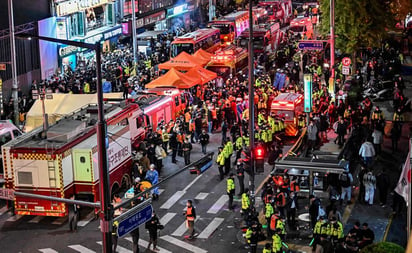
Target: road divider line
144	244
201	195
218	204
119	249
80	248
211	228
36	219
182	244
181	230
191	183
3	210
48	250
166	218
172	200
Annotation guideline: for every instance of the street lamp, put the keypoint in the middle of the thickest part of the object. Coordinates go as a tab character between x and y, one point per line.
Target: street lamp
332	45
105	207
13	63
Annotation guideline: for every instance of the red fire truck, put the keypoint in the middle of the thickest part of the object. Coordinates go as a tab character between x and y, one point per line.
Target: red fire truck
266	37
229	60
302	26
231	26
278	10
288	106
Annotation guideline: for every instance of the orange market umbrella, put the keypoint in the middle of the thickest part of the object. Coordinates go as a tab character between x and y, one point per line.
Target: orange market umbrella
174	78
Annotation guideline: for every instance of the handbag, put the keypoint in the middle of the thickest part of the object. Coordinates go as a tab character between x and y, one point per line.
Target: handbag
160	226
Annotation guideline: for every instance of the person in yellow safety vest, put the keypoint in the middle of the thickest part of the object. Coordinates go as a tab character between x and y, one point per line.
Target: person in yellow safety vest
238	146
245	201
397	116
263	135
318	230
86	88
261	118
231	190
301	121
257	135
148	64
246	140
267	248
228	151
258	83
126	71
220	160
271	121
281	226
277	242
376	113
269	210
335	229
245	114
165	139
270	135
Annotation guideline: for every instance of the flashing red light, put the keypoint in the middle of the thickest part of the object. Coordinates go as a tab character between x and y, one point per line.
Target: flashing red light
259	153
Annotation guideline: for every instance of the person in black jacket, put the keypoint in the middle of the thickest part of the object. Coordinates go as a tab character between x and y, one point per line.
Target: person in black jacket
173	145
313	210
187	148
204	140
152	226
382	182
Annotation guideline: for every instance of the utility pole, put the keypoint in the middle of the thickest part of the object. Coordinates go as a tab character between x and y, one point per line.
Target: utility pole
332	44
13	63
134	37
251	78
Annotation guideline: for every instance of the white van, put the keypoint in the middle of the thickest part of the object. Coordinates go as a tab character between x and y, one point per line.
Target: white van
8	131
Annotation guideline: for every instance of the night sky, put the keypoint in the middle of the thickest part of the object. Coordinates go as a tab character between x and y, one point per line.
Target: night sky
25	11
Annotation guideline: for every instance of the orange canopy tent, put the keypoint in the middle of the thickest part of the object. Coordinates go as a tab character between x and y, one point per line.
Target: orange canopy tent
203	57
202	73
183	62
174	78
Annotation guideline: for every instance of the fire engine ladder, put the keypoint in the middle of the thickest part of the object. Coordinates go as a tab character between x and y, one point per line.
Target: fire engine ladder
52	179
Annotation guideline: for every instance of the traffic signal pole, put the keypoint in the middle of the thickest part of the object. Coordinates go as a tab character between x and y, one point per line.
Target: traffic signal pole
251	80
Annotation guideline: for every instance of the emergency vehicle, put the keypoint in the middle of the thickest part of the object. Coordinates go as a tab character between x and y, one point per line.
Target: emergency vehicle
229	60
278	10
231	26
260	14
266	38
207	38
288	106
63	161
8	132
302	26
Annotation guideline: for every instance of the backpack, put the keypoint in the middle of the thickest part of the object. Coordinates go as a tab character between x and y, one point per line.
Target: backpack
344	179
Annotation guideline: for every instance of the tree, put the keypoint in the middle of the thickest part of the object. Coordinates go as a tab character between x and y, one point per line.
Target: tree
358	23
383	247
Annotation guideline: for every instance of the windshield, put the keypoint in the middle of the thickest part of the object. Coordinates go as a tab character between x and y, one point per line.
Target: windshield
222	71
4	138
258	43
297	29
224	28
287	114
180	47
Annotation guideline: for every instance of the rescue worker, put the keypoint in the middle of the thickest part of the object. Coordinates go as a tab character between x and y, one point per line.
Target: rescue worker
240	173
273	222
277	242
281	202
228	151
268	214
267	248
318	230
190	218
301	120
245	201
238	146
280	225
252	237
220	160
231	190
335	230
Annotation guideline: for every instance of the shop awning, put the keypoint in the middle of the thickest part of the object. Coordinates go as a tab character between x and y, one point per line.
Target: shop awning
202	56
202	73
174	78
182	62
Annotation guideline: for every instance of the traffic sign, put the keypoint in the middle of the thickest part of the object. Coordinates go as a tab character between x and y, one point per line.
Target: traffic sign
133	218
2	66
346	70
310	45
307	92
346	61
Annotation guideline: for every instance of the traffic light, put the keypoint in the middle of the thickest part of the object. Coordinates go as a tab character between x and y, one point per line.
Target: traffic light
259	159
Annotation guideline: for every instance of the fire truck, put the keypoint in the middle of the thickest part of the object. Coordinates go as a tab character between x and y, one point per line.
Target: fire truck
266	38
228	61
278	10
288	106
260	14
302	27
231	26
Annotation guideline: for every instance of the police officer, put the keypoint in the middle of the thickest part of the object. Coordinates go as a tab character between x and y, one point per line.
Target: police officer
240	173
268	214
220	160
277	242
245	201
231	190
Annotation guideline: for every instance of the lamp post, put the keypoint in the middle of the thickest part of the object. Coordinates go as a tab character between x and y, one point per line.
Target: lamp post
251	79
332	44
13	63
105	206
135	49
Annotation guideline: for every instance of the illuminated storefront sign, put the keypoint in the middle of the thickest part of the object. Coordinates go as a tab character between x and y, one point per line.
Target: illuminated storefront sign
68	50
61	28
73	6
104	36
151	19
180	9
307	92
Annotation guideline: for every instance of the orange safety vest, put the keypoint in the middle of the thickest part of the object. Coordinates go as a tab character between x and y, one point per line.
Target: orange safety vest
189	214
191	126
187	117
273	220
180	137
294	186
280	199
214	114
268	197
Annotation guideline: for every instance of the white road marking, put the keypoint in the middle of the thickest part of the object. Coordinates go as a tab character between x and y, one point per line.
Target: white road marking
161	190
144	244
211	228
181	230
48	250
59	221
218	204
202	195
182	244
15	217
3	210
166	218
119	249
172	200
36	219
191	183
80	248
83	222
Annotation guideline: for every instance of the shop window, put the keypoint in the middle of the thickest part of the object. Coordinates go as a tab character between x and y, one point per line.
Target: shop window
76	24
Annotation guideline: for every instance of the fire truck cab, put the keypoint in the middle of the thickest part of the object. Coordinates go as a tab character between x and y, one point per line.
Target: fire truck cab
228	61
278	10
288	106
231	26
266	38
303	27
